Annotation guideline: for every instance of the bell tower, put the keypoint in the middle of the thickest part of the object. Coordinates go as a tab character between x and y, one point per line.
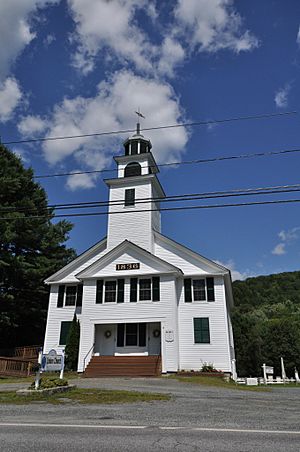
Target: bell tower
134	196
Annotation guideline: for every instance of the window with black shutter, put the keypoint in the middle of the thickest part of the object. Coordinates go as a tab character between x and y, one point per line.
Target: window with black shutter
79	295
201	330
133	289
188	290
110	291
120	296
199	289
155	288
210	289
60	296
129	197
145	289
99	291
134	147
71	292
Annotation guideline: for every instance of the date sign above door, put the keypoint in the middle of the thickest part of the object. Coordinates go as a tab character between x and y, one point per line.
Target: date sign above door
132	266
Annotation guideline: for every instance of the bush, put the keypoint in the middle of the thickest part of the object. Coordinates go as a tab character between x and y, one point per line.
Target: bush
208	367
50	383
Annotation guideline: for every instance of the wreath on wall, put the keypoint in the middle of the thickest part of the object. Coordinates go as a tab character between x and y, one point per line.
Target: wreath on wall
107	334
156	333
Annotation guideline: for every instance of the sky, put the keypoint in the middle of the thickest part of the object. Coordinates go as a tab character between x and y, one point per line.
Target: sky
72	67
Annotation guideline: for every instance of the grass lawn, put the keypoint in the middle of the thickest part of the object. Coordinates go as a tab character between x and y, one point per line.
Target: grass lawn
82	396
219	382
67	375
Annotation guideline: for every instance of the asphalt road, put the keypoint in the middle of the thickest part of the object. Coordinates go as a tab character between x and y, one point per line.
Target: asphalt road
196	418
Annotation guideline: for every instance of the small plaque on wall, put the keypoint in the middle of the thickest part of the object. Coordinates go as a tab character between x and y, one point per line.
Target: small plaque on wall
169	335
132	266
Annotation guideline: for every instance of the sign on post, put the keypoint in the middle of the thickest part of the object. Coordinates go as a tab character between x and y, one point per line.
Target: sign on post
52	362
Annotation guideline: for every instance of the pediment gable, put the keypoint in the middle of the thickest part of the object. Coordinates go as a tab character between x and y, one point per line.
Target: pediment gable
118	263
67	273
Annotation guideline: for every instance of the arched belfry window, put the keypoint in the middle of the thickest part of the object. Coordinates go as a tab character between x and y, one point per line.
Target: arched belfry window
133	169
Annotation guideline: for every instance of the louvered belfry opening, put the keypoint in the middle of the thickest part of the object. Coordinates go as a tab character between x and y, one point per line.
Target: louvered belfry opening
133	169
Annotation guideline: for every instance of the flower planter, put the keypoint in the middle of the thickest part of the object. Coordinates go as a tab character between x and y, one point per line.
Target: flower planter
201	374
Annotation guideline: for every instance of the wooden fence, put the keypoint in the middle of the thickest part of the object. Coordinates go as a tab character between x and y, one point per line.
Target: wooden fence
16	367
28	352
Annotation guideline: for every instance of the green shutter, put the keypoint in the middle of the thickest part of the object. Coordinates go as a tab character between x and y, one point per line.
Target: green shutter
201	330
64	331
60	297
120	296
133	289
155	289
79	295
142	334
99	291
188	290
210	289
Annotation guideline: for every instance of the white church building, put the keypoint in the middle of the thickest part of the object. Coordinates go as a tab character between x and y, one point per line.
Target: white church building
146	304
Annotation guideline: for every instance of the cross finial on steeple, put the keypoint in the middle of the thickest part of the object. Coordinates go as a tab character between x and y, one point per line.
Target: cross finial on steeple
138	125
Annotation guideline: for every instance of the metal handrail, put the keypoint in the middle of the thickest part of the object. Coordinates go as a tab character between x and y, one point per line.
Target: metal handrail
92	347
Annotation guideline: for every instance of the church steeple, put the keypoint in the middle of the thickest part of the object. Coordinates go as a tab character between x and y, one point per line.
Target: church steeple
138	185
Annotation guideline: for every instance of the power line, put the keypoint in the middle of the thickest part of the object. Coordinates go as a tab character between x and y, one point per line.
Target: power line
209	206
171	126
172	198
187	162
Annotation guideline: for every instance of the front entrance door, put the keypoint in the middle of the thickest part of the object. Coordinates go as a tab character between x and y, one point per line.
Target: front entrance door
131	338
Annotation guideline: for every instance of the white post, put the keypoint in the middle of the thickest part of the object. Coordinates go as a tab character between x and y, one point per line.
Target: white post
233	369
265	373
38	374
61	375
283	374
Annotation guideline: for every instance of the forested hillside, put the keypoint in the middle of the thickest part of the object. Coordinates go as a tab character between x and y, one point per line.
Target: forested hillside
266	322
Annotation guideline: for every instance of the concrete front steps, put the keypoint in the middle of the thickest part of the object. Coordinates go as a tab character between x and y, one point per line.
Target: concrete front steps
124	366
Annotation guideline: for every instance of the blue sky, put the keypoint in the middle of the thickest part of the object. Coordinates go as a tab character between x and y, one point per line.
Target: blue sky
70	67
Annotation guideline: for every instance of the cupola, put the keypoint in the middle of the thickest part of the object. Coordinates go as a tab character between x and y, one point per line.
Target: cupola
137	144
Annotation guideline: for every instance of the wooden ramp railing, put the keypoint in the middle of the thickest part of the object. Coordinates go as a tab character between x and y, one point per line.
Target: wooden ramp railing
16	367
27	352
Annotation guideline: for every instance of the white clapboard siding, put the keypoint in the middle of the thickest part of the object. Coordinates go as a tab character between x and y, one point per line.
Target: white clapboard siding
164	311
191	355
177	256
130	225
54	319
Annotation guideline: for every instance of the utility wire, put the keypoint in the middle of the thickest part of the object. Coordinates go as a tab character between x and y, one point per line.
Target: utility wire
173	198
187	162
208	206
171	126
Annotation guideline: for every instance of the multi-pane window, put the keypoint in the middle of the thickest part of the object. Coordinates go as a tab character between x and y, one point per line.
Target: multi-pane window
131	335
69	295
145	289
201	330
199	289
129	197
110	291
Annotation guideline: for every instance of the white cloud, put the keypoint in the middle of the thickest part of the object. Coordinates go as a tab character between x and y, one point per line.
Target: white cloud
22	154
298	37
112	109
279	249
81	181
235	274
111	25
281	97
15	28
290	235
49	39
10	98
30	125
172	53
212	25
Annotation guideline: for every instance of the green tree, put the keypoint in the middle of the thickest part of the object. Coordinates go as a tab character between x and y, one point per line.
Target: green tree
31	248
72	345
